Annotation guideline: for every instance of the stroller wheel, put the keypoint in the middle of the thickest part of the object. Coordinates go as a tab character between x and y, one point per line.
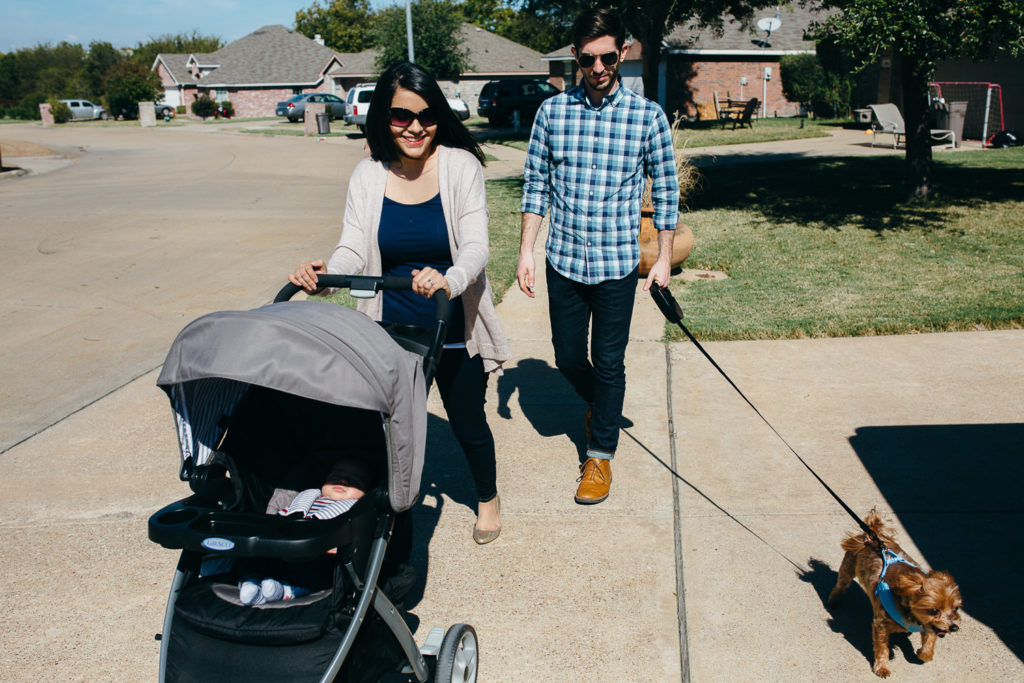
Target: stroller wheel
458	658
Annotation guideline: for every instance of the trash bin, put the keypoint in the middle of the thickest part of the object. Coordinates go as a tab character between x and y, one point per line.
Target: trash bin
323	123
950	116
957	114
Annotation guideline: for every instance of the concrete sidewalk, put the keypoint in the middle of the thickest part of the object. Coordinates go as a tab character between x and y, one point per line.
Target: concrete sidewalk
705	497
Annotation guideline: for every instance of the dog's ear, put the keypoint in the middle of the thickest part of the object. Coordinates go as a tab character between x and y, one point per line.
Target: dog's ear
909	582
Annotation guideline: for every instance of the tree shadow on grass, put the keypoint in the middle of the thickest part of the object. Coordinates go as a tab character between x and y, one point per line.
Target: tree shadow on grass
865	192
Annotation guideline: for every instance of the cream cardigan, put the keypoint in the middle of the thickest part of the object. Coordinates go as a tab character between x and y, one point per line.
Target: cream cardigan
464	202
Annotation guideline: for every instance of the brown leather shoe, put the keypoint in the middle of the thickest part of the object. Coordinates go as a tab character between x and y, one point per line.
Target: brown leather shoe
595	481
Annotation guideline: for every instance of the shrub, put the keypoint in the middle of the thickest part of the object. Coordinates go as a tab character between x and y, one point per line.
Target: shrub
204	107
28	108
227	109
60	110
181	109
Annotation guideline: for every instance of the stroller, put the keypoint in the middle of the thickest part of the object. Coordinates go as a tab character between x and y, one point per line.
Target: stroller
259	396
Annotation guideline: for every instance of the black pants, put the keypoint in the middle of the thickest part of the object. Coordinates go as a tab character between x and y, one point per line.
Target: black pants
462	384
597	373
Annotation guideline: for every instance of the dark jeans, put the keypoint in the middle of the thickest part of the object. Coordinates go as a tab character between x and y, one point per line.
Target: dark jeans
599	377
462	384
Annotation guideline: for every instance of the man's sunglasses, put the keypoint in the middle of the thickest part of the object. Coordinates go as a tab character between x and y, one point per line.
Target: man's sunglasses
403	118
587	61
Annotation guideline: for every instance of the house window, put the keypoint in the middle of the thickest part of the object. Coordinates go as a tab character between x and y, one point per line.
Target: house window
220	95
296	91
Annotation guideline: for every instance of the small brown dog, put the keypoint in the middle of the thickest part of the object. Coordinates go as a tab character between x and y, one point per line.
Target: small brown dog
903	597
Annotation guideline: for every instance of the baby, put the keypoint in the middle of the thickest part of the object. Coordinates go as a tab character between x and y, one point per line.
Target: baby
346	483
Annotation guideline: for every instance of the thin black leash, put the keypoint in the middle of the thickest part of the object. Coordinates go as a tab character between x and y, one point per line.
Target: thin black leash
670	309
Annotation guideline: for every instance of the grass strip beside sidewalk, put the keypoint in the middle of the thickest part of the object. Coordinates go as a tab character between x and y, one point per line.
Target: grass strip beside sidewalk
828	247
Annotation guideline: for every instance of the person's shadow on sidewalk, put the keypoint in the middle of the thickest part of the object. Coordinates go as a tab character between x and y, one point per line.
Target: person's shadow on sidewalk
547	401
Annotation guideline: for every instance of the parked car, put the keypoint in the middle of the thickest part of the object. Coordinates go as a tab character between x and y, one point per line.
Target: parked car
295	107
164	111
460	107
500	100
86	110
358	102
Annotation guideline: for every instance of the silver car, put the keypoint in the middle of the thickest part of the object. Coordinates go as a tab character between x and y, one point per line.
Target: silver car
86	110
295	107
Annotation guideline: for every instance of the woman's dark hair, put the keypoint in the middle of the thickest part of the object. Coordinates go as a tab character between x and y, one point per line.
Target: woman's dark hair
450	131
595	23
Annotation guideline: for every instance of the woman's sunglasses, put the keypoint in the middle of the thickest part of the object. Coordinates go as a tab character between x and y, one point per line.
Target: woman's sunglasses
587	61
403	118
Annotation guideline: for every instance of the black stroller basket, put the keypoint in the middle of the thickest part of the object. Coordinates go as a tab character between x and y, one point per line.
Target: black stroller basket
257	394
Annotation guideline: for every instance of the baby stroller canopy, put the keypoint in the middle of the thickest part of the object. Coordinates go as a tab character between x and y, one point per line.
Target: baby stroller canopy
312	349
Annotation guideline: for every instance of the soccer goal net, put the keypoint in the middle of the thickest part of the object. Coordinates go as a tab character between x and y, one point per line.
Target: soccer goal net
984	116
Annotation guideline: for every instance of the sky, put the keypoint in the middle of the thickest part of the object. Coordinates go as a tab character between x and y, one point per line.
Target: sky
126	23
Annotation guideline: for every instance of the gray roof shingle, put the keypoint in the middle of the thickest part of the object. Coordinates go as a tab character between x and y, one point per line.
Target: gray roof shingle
271	55
735	39
489	54
790	37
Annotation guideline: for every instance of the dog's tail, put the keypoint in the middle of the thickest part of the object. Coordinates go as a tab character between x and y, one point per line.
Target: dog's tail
856	542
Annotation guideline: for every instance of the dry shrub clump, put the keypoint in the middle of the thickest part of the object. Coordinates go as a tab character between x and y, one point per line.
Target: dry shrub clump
688	175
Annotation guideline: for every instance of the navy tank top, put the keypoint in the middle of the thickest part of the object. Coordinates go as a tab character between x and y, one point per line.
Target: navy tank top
411	237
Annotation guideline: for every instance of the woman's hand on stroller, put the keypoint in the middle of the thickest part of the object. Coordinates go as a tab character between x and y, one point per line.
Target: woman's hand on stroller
305	275
427	281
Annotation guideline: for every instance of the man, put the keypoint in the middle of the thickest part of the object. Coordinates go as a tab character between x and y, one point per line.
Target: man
591	150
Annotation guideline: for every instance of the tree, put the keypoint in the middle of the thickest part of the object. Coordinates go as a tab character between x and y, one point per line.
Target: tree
920	33
128	83
437	37
801	77
344	25
98	61
537	31
492	15
179	43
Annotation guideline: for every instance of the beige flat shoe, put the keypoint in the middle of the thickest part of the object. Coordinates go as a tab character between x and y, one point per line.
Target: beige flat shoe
483	537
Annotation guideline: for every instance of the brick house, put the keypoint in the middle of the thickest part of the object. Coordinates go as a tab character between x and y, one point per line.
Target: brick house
697	63
255	72
490	57
273	63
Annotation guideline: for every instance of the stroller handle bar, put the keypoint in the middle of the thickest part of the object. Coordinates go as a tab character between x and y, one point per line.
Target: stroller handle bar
366	287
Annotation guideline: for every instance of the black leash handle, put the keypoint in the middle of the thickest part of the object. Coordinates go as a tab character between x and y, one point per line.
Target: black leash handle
671	310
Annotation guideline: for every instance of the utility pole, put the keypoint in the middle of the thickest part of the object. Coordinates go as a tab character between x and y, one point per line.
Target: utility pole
408	30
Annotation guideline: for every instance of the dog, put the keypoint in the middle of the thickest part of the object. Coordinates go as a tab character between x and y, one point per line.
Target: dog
918	601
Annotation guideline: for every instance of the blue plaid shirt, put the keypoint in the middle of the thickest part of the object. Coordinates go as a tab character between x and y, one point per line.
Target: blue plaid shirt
591	165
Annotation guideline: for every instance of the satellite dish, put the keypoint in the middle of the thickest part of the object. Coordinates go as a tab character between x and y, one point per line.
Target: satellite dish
768	24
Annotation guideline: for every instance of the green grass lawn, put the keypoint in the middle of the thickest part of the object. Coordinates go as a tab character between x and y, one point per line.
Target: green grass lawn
698	134
708	133
828	247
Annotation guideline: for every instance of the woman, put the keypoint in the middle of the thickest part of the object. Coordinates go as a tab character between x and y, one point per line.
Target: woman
417	207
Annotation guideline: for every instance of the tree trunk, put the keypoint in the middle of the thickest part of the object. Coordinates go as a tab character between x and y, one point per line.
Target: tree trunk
652	56
918	138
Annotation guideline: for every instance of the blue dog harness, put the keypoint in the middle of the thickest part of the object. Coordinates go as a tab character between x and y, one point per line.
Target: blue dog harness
884	593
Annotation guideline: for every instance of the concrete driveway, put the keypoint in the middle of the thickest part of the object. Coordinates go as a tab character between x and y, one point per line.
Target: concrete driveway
104	260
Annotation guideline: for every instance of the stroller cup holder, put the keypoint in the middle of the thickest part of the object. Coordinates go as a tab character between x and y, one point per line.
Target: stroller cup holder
187	525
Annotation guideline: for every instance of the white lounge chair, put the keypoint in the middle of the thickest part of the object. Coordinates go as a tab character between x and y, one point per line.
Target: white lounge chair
889	120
